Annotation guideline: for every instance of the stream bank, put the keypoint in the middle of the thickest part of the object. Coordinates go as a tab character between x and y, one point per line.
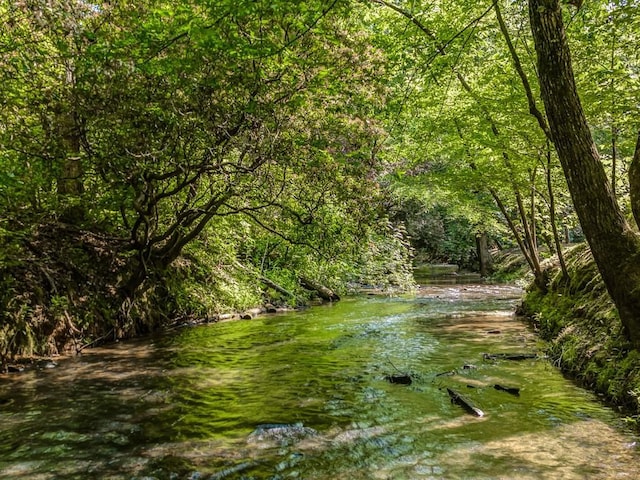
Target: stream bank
584	335
307	395
62	292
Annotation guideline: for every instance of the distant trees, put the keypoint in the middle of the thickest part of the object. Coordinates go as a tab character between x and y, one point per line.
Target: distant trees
471	109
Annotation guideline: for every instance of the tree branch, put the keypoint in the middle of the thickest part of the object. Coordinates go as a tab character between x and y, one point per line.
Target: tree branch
533	108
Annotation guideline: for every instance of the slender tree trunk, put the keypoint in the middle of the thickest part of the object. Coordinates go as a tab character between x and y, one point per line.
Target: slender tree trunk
552	214
532	207
70	182
528	246
614	128
614	157
615	247
634	182
484	257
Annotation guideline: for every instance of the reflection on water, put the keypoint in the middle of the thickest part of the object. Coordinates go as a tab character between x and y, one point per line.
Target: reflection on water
304	395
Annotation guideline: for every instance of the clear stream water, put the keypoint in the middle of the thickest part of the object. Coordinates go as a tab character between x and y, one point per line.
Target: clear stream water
304	396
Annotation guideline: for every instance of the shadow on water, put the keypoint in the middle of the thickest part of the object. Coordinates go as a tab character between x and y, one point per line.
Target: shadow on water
305	395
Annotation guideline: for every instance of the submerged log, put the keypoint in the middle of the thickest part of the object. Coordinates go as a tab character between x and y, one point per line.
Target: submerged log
322	291
511	390
464	402
401	379
509	356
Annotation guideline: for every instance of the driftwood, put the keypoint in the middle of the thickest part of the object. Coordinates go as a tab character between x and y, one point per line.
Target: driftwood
270	283
509	356
512	390
464	402
322	291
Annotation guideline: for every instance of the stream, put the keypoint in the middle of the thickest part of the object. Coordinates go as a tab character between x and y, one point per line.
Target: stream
306	395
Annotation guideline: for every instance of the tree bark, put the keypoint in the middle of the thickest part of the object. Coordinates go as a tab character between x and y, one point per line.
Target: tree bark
615	247
484	256
634	182
323	292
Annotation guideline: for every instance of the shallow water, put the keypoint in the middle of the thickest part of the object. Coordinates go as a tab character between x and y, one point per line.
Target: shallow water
195	404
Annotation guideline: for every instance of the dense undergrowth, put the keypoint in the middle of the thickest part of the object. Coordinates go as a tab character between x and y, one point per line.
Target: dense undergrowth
584	335
61	285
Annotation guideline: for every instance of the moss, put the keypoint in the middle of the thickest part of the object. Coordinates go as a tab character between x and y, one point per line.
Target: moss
584	334
509	266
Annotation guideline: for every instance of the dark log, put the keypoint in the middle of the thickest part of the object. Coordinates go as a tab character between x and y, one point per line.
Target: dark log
464	402
400	379
271	284
511	390
509	356
322	291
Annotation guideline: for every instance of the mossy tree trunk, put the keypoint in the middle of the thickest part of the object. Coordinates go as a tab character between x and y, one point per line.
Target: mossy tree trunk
614	245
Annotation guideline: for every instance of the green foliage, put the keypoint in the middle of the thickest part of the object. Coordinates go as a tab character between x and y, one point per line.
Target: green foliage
386	263
197	146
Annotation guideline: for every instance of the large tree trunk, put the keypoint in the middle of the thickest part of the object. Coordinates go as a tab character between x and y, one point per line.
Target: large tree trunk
615	247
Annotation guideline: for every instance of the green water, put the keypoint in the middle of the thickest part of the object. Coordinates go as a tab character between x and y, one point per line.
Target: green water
187	406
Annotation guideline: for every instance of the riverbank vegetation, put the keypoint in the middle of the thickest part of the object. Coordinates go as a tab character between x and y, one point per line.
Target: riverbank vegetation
583	332
170	161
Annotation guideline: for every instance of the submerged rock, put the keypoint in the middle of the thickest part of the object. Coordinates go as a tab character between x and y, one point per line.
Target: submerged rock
227	472
281	432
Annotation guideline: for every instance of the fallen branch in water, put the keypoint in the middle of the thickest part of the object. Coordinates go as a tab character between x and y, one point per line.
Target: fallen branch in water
509	356
511	390
464	402
401	379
